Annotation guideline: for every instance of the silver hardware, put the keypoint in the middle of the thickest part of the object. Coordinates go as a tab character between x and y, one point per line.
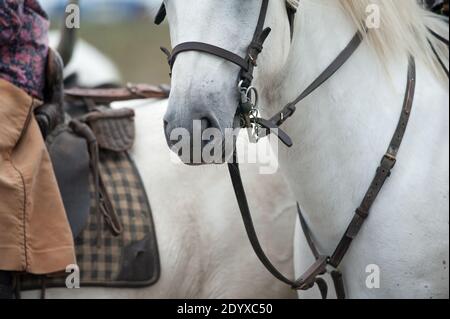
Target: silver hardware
250	111
252	92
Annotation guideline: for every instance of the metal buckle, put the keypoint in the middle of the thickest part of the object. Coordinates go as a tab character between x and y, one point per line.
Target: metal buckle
331	268
390	159
250	111
252	60
308	279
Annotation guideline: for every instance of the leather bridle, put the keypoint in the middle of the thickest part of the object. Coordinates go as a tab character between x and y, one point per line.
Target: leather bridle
248	108
250	119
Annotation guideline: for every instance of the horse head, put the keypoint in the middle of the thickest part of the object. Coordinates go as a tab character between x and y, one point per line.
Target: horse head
205	96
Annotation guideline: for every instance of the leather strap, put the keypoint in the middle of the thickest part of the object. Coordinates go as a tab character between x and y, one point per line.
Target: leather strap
103	206
246	64
255	48
239	190
338	282
307	233
270	127
273	124
383	171
306	281
131	92
441	63
310	277
83	130
323	287
444	41
336	275
206	48
438	36
289	110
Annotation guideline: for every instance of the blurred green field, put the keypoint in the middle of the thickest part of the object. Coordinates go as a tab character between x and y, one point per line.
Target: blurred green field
133	47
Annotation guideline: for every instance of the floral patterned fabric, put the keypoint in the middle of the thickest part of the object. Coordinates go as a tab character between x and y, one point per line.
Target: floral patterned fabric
23	44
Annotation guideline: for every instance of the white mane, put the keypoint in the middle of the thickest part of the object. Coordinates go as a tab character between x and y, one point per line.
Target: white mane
403	29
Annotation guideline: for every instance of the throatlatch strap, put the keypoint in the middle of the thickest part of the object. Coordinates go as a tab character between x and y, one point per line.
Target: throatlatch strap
345	54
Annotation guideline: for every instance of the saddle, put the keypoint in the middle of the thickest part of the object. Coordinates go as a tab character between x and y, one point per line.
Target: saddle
74	149
75	126
104	197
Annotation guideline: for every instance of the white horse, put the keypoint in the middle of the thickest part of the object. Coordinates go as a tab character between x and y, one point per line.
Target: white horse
91	66
342	130
201	240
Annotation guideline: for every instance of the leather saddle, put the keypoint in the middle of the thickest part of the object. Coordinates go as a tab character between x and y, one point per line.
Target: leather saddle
73	130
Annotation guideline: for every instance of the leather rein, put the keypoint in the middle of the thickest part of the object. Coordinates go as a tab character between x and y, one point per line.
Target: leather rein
250	118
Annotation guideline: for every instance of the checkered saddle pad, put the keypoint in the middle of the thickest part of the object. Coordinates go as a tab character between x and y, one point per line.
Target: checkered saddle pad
115	241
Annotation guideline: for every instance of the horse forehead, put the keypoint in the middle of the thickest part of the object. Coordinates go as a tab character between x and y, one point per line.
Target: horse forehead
209	6
294	4
204	18
205	9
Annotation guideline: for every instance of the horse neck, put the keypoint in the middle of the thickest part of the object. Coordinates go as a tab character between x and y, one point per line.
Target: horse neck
341	131
321	31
